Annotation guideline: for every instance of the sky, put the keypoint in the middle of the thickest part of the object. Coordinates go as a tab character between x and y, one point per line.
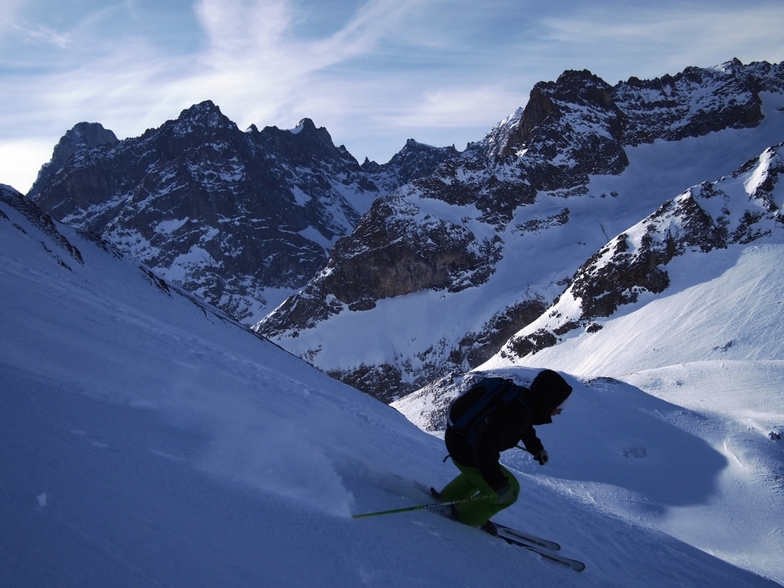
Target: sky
374	72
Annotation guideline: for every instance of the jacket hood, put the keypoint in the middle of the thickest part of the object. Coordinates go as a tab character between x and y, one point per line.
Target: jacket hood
546	393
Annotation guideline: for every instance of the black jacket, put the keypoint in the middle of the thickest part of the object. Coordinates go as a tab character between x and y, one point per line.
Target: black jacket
506	426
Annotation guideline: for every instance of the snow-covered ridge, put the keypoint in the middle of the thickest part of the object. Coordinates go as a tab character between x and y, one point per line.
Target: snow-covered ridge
739	209
41	221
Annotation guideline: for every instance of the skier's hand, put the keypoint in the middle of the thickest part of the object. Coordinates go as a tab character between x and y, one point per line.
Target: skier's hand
505	495
542	457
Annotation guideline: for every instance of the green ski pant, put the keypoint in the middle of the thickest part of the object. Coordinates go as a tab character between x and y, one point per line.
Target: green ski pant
470	483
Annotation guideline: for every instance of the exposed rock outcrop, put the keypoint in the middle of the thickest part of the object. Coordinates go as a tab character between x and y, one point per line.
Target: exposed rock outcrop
738	209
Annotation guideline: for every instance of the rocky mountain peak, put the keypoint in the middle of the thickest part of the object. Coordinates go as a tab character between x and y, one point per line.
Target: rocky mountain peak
414	161
734	66
206	112
202	123
306	125
581	88
303	144
552	124
307	128
83	135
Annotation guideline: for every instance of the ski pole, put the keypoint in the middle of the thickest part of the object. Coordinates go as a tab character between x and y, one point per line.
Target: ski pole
411	508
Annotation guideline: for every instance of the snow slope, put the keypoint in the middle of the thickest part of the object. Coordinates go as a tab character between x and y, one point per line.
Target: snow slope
148	440
713	346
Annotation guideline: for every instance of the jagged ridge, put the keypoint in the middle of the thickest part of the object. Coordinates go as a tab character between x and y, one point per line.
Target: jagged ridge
234	217
738	209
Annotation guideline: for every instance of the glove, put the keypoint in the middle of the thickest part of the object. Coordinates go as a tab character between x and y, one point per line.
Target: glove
505	495
542	457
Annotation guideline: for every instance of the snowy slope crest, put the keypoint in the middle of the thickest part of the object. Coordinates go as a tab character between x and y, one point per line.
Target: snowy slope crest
41	221
146	440
740	209
108	314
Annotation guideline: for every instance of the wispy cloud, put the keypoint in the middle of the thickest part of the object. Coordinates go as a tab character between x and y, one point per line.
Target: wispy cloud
665	38
373	72
259	68
262	34
257	42
457	106
45	35
596	23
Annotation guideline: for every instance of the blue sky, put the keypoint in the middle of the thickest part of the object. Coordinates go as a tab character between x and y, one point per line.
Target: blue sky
373	72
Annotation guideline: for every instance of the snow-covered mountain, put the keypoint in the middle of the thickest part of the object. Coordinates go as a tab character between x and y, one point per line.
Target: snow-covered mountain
480	249
242	219
711	348
148	439
743	208
463	241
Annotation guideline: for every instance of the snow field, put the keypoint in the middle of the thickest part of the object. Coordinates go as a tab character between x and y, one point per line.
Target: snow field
711	348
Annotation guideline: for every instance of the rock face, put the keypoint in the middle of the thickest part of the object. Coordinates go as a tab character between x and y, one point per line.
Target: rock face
240	218
738	209
83	136
463	230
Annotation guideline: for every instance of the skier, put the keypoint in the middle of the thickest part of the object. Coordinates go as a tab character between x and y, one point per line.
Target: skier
492	416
